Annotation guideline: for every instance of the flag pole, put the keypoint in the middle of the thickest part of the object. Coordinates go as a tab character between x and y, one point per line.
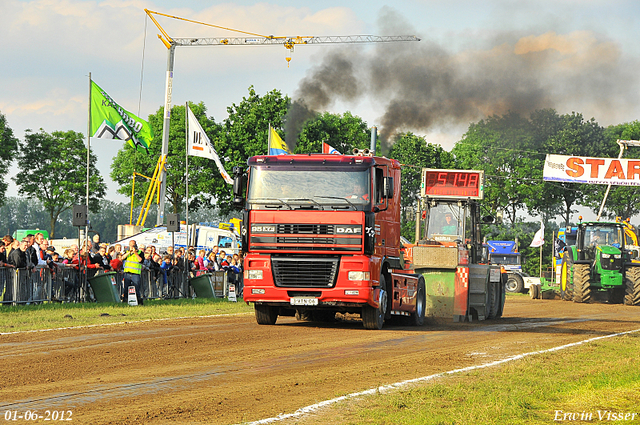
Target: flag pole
269	140
542	227
186	158
86	226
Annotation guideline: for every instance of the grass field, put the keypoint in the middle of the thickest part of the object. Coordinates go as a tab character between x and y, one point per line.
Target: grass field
594	383
54	315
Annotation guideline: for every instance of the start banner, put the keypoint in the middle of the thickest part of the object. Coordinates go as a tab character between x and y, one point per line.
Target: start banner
583	169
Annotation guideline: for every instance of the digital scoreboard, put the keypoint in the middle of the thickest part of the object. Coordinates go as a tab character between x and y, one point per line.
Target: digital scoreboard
452	184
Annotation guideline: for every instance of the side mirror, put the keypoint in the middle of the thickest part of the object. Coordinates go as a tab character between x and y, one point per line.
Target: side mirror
238	199
387	187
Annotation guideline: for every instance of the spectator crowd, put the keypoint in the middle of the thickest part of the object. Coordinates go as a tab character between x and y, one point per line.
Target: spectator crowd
34	250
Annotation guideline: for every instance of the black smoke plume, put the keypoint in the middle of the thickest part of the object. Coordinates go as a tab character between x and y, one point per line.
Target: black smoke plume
423	85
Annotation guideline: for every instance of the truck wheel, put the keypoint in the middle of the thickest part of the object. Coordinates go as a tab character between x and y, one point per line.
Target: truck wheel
534	292
494	300
515	283
417	318
632	294
502	291
373	318
265	314
566	277
581	285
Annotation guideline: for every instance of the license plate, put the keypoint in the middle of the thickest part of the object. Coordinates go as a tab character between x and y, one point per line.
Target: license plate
303	301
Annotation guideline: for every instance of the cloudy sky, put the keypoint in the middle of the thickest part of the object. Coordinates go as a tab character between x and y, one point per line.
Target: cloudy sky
474	59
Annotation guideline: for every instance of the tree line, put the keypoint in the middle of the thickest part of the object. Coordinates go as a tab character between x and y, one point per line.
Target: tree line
510	148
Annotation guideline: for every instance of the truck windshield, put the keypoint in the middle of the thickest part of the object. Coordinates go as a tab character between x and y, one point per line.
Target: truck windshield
324	185
505	259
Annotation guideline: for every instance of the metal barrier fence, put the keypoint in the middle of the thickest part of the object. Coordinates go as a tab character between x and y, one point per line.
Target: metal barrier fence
67	284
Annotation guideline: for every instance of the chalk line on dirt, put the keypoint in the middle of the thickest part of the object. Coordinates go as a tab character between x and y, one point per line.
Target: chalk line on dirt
385	388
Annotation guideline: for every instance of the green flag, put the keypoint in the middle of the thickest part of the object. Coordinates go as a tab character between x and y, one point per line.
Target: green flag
111	121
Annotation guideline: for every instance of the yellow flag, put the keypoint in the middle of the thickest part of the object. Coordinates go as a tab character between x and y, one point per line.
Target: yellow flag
276	145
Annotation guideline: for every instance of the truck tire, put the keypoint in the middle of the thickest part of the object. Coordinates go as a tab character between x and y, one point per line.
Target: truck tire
515	283
373	318
265	314
503	295
494	300
566	277
581	284
632	281
417	318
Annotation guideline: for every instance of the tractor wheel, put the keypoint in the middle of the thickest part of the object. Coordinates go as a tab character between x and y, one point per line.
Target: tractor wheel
566	277
581	284
265	314
534	292
417	318
303	315
515	283
632	295
373	318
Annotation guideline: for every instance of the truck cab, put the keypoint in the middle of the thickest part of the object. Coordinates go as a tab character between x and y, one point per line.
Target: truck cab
321	235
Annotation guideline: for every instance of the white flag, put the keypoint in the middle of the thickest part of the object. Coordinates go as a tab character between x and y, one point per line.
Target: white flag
538	238
200	145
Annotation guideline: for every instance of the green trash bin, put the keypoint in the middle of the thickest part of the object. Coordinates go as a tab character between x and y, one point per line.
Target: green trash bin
203	286
105	287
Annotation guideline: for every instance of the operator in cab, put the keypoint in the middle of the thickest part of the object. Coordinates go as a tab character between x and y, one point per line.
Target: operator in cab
450	226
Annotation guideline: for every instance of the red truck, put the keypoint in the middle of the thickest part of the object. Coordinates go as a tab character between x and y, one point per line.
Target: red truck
322	235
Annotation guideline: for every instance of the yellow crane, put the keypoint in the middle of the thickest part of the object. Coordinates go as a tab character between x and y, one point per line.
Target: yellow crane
250	39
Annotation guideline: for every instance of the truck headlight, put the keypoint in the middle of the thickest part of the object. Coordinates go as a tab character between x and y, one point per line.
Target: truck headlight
606	256
253	274
359	276
617	256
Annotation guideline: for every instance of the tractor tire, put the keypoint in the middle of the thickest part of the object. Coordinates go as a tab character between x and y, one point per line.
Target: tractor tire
632	281
534	292
373	318
515	284
566	277
417	318
494	300
265	314
581	284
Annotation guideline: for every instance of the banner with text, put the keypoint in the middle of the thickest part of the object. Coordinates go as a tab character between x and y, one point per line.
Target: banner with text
583	169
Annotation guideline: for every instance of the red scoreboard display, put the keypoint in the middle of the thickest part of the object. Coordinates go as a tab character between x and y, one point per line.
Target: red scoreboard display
452	184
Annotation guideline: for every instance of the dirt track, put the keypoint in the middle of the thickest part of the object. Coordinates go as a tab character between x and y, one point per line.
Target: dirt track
228	370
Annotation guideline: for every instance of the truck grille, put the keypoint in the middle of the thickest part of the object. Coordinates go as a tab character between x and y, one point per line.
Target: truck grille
307	237
308	229
305	272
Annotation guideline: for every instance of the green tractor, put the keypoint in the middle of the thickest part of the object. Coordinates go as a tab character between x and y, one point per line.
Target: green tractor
599	262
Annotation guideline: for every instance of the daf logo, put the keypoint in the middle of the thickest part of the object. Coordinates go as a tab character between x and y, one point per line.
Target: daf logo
354	230
263	229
